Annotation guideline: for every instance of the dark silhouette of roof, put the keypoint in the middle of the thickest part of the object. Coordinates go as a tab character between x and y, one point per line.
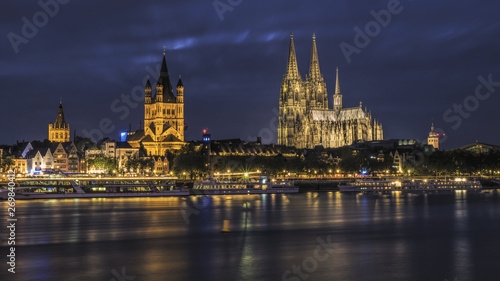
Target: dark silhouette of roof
137	136
60	122
480	146
164	82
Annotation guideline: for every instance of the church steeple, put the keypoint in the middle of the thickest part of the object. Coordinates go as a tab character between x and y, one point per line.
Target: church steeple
60	122
164	79
292	70
314	71
59	131
337	83
337	98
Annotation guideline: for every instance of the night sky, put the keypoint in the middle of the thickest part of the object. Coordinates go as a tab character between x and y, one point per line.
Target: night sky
427	58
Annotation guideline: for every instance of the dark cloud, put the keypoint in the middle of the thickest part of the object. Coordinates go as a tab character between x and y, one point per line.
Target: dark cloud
90	53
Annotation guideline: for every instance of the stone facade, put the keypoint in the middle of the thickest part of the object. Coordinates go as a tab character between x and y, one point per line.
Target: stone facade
305	119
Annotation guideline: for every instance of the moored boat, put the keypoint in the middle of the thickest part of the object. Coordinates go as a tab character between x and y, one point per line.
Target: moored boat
410	185
34	188
262	186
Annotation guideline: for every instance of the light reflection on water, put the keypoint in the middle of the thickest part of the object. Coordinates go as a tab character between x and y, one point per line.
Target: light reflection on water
393	236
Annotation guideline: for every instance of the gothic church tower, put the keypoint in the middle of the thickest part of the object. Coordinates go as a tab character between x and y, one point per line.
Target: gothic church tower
293	102
59	131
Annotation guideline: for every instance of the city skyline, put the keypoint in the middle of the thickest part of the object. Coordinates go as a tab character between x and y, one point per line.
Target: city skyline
409	74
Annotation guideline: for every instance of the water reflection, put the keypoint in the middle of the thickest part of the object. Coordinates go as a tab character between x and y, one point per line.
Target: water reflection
394	236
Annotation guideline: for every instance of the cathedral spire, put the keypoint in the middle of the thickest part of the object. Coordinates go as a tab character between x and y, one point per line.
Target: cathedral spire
314	72
337	84
292	70
337	98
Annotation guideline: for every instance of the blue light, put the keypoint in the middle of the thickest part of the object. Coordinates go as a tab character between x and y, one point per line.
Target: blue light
364	172
123	136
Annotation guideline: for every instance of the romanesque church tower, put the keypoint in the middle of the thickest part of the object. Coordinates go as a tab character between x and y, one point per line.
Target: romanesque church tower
163	115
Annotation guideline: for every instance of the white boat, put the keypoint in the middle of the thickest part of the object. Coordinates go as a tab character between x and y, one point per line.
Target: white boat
410	185
262	186
34	188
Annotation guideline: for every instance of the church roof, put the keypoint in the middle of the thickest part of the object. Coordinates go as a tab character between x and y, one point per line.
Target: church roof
166	126
153	128
345	114
137	136
164	81
172	138
60	122
148	138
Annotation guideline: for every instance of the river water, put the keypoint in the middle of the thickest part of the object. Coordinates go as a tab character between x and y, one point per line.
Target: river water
308	236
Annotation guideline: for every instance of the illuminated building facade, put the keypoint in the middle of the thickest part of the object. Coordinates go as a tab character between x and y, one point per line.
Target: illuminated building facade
59	131
163	116
433	138
305	119
39	160
65	157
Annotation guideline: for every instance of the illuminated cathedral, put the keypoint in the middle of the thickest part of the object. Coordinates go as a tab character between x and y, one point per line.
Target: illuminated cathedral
305	119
